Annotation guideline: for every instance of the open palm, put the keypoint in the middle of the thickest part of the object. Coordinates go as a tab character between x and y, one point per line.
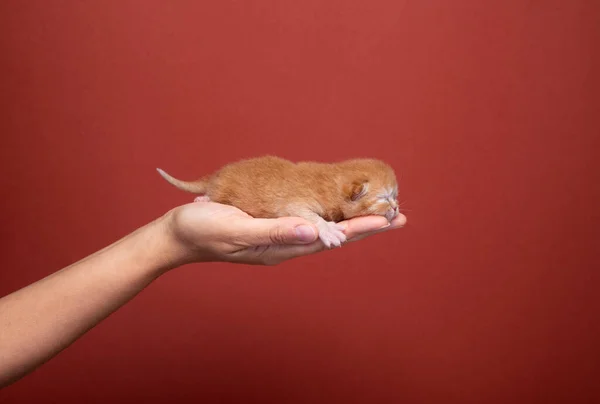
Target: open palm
217	232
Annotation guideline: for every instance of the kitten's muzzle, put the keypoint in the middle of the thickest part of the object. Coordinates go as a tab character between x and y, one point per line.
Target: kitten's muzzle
391	213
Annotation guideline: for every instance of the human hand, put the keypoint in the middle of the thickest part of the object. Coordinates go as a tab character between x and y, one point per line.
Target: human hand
210	231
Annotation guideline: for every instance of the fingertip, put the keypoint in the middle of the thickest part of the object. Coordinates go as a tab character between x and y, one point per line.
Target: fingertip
399	221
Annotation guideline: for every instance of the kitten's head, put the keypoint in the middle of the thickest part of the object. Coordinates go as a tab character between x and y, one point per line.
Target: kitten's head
370	189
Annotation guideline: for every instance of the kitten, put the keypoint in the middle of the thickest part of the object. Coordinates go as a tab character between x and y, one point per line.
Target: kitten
323	193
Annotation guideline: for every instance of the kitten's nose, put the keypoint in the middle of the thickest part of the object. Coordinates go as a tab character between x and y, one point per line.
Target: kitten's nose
394	204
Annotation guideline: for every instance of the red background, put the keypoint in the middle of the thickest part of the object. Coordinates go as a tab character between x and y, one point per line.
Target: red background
488	110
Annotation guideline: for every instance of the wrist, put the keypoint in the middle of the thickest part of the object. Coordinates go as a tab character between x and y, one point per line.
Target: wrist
175	251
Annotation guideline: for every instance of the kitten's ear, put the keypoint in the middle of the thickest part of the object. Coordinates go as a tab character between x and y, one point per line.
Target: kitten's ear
356	189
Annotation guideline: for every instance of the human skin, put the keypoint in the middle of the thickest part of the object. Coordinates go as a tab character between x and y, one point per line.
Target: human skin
40	320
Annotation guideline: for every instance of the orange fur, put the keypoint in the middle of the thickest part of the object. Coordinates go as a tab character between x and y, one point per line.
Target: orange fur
270	187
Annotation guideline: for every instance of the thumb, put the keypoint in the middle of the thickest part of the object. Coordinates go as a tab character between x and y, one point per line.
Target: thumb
280	231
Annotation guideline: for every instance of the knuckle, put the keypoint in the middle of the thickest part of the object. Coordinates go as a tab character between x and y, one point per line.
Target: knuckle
277	236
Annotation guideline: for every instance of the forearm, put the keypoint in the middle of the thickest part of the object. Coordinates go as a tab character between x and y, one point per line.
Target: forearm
40	320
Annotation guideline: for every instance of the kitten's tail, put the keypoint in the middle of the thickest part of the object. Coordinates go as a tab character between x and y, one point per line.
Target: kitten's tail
195	187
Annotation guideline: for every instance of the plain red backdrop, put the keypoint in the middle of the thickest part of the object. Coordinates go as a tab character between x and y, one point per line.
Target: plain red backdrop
488	110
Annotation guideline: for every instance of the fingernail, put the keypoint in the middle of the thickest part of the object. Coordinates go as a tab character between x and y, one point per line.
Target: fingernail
305	233
384	226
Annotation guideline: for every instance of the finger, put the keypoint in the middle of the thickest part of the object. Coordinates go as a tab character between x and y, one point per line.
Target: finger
398	222
288	252
364	224
280	231
359	228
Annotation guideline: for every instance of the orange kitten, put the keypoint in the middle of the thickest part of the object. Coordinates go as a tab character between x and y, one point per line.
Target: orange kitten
323	193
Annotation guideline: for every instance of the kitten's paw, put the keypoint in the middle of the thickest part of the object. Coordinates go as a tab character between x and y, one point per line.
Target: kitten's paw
203	198
331	234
